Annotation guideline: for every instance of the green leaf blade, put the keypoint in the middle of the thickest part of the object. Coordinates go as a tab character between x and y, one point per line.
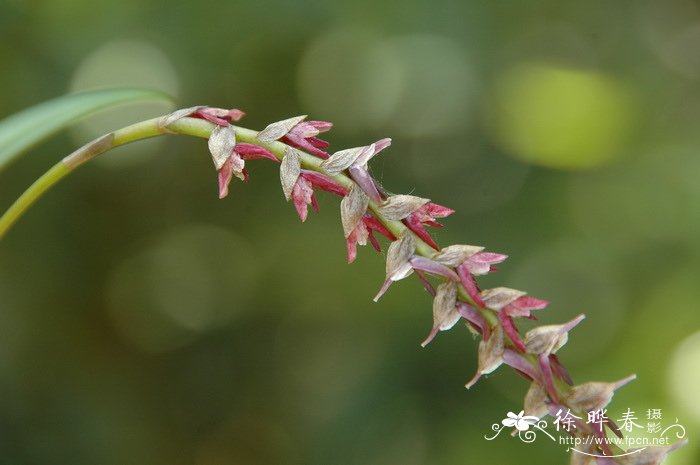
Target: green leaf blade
21	131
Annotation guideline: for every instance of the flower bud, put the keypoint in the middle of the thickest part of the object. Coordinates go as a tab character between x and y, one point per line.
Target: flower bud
397	261
594	395
363	179
290	169
445	314
548	339
221	143
490	355
278	129
371	151
499	297
429	266
352	208
455	255
341	160
475	319
178	115
398	207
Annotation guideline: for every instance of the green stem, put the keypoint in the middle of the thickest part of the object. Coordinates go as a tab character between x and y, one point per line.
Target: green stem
27	199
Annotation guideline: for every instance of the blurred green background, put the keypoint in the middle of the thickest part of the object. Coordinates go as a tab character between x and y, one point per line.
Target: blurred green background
144	321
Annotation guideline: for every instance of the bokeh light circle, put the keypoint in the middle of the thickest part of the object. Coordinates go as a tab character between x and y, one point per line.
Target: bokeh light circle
346	77
190	280
124	63
560	118
684	376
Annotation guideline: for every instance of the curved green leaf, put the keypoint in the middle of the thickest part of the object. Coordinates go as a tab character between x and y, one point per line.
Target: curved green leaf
27	128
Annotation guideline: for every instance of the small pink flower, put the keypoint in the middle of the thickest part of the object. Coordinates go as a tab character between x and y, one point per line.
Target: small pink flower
374	225
510	303
325	183
303	191
426	215
303	136
364	231
235	163
358	235
219	116
520	308
355	161
478	264
303	196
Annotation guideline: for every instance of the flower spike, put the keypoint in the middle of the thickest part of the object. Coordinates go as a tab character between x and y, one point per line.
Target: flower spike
448	274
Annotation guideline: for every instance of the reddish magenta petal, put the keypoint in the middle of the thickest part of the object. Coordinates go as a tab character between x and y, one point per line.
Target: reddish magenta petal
322	126
302	209
510	329
480	263
426	284
252	152
433	224
602	440
433	210
363	179
530	303
308	129
520	363
381	144
314	203
560	370
234	114
521	306
302	194
211	118
432	267
375	225
303	144
225	176
413	223
375	243
382	291
431	336
318	143
546	370
475	318
351	244
359	235
322	182
470	285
